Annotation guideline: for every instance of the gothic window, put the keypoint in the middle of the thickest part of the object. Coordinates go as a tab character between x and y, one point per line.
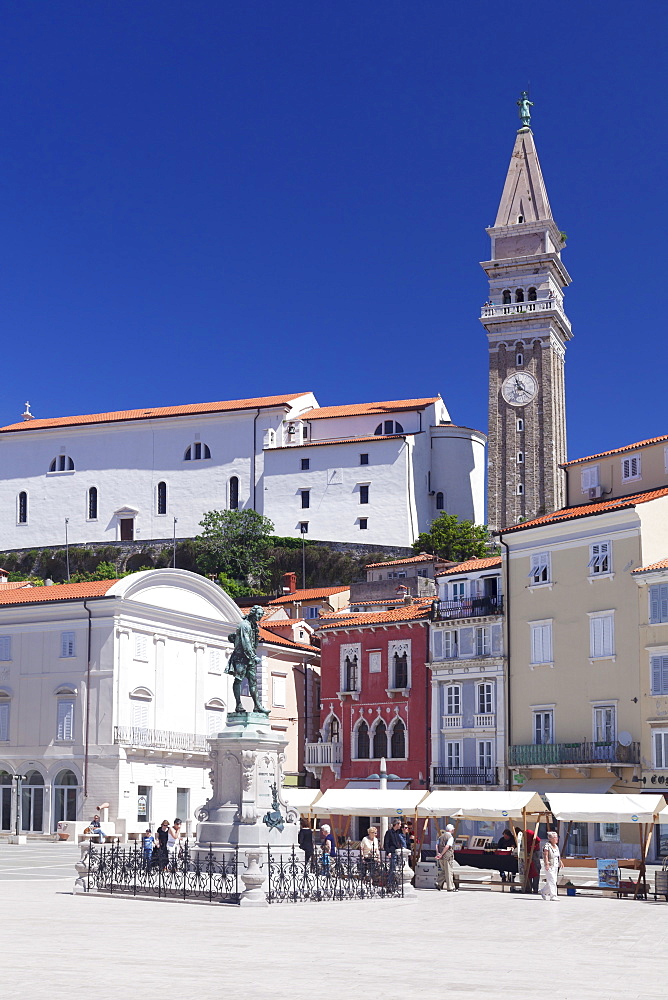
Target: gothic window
23	508
196	452
234	493
350	676
398	740
519	295
400	671
162	498
92	503
62	463
380	740
507	297
362	744
531	296
439	501
335	730
389	427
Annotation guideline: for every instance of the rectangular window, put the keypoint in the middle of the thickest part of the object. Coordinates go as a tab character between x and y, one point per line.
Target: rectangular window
140	711
604	724
364	523
660	740
375	665
609	832
658	603
659	674
437	644
484	754
183	803
67	646
214	721
4	721
482	642
540	568
364	494
143	803
450	644
141	647
311	612
364	459
214	661
599	558
277	691
543	727
306	498
5	647
589	478
306	464
198	449
458	590
303	527
453	700
602	635
453	753
485	699
541	642
65	724
630	468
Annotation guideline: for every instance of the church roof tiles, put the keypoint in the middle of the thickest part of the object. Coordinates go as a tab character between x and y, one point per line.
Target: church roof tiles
616	451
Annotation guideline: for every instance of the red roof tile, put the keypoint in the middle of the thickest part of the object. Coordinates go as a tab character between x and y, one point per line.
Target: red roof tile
58	592
407	613
617	451
18	585
153	413
586	509
279	640
362	409
310	594
471	565
423	557
663	564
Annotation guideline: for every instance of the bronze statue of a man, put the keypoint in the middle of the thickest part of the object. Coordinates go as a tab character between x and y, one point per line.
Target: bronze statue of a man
244	661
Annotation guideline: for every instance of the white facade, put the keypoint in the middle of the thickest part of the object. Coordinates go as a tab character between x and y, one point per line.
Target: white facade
129	475
108	692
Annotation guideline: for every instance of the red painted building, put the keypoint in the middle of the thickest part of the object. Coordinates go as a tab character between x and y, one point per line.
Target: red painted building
375	699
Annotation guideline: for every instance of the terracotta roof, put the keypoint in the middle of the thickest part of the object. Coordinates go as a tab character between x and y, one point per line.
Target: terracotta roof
371	409
17	585
407	613
311	594
423	557
388	600
284	622
617	451
58	592
663	564
349	440
153	413
586	509
279	640
471	565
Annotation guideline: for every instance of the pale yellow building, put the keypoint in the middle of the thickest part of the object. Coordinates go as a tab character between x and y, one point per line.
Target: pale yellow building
579	694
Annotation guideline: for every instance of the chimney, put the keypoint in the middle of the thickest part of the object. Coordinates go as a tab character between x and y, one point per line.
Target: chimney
27	415
289	583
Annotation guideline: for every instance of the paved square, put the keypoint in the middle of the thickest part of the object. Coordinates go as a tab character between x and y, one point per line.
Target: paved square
474	943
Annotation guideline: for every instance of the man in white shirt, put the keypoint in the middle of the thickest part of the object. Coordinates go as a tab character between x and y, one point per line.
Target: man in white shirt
551	864
445	855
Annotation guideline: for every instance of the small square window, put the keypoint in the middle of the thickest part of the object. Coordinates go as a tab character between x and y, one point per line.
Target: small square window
363	523
631	468
306	464
364	459
67	647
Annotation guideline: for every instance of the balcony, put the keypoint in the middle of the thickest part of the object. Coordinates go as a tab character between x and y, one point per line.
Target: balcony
452	722
479	722
160	739
323	755
471	607
518	308
465	776
563	754
484	721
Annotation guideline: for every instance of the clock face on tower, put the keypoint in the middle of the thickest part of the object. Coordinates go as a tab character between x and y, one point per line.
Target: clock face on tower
519	388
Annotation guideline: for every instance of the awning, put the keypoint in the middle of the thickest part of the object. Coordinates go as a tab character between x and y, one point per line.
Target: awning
300	799
482	805
621	808
367	802
596	786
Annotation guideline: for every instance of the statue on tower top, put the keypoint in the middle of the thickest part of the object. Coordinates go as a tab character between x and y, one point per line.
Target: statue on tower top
524	105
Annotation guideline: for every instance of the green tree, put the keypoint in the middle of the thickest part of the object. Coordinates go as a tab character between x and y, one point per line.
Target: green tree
236	543
453	539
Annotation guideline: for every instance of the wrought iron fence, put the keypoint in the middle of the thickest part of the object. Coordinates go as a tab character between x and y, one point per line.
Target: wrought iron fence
573	753
293	878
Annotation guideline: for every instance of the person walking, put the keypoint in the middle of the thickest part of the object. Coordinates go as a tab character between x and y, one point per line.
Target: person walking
445	855
162	834
532	856
552	863
148	843
328	847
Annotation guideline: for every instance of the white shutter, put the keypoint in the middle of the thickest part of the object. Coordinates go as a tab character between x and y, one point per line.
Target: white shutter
65	726
541	643
214	721
466	637
5	647
141	647
278	691
67	643
660	746
214	661
4	721
437	644
589	478
497	639
601	636
449	645
140	714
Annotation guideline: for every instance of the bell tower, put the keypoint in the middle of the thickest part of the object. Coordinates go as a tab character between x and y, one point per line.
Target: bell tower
527	332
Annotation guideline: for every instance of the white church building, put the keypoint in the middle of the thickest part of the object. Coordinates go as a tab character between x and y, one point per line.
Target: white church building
376	473
108	691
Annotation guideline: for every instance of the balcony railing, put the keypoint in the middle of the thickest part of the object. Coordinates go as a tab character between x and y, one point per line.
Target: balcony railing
161	739
452	722
466	776
471	607
484	721
573	753
323	754
513	308
479	722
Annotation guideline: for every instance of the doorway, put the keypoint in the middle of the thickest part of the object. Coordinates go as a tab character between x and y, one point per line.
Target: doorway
65	789
32	803
127	529
143	804
5	802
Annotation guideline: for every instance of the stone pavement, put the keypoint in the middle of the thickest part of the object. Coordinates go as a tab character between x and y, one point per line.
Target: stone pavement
471	944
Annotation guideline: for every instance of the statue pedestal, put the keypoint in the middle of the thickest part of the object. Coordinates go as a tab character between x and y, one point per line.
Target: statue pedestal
246	811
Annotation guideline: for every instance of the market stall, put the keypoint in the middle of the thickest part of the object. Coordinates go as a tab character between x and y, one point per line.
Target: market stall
347	802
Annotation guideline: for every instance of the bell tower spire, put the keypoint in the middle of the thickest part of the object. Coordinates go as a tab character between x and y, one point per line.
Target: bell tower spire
527	332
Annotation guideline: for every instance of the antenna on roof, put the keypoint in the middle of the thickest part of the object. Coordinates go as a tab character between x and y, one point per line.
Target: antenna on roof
27	415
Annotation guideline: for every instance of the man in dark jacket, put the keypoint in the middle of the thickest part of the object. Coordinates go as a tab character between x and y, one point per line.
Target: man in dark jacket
392	842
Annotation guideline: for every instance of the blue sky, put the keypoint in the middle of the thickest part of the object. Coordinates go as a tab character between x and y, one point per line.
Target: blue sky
212	200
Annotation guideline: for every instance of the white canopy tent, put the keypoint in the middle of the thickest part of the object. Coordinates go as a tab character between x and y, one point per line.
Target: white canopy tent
367	802
301	799
580	807
497	805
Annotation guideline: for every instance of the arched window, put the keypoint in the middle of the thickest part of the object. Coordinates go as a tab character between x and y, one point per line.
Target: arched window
215	716
520	425
162	498
398	740
507	297
332	730
519	295
362	745
389	427
62	463
5	801
22	512
520	489
520	457
32	803
197	451
380	740
234	493
400	671
65	789
92	503
531	296
439	501
519	359
140	706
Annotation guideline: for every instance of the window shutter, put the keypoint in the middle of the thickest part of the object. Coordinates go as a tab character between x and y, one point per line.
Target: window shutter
5	647
67	644
141	647
437	644
497	639
214	661
658	749
65	720
596	637
140	714
214	721
466	637
660	675
4	721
